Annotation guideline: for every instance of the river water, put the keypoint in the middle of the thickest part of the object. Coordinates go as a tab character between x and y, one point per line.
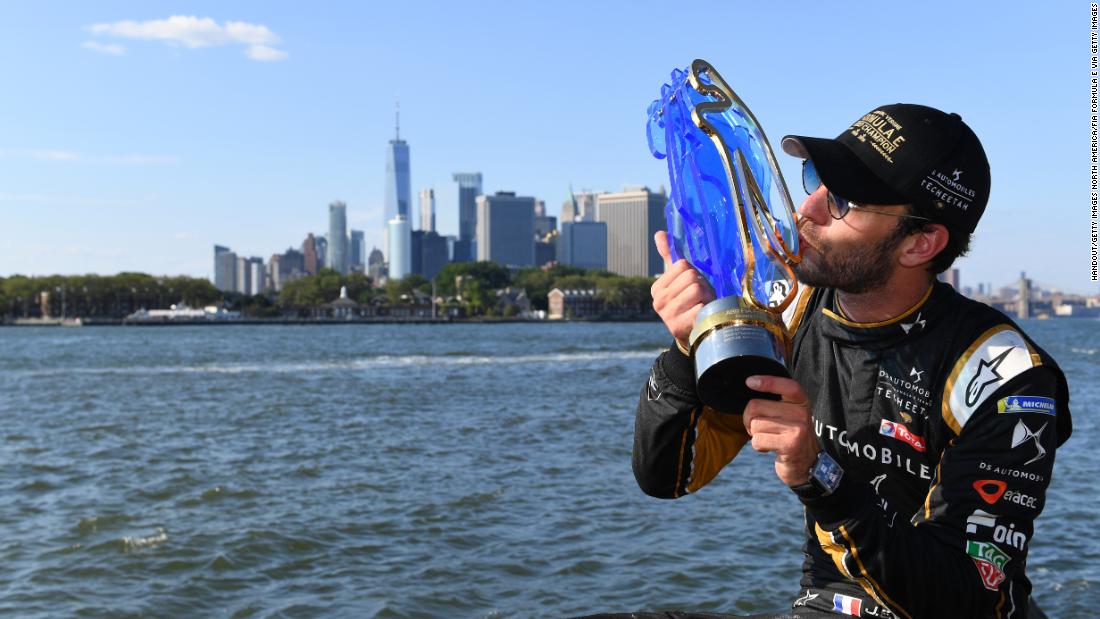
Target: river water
406	471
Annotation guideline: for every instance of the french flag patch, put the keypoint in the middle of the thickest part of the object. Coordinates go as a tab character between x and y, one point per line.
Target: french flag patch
847	605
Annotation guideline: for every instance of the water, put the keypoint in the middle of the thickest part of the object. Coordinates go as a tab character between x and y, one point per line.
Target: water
405	471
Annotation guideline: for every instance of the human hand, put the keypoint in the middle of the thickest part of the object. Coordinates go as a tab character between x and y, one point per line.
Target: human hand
784	427
679	294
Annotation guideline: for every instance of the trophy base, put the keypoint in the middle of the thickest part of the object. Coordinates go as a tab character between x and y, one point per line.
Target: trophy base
730	344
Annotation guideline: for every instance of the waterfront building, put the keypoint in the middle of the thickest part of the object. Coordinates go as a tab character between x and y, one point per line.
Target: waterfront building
337	255
506	229
291	266
583	244
225	269
433	254
427	209
469	188
572	303
632	216
256	275
244	276
400	242
1023	305
309	254
357	252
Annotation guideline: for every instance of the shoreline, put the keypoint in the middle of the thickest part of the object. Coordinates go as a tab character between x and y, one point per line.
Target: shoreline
109	322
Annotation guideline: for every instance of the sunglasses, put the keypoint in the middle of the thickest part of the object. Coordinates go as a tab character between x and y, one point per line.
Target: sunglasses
838	206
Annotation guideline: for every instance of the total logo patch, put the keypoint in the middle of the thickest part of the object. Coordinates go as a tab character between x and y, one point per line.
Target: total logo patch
1026	404
896	430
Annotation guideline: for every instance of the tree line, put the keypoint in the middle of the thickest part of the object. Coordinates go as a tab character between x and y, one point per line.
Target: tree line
469	286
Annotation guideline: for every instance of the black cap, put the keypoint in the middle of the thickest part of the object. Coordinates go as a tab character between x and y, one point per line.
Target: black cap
905	154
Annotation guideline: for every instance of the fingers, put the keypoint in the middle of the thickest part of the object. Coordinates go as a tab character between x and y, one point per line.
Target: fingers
787	389
661	241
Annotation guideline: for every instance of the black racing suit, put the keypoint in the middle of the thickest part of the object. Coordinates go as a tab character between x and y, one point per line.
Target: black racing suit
945	421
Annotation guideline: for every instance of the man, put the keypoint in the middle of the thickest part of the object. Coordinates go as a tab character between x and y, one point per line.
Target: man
919	427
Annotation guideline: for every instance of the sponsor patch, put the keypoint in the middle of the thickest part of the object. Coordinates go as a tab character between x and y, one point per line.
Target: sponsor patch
896	430
1026	404
998	356
990	561
990	490
1023	433
847	605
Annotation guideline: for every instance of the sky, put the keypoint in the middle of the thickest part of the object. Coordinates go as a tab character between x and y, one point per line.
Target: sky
136	135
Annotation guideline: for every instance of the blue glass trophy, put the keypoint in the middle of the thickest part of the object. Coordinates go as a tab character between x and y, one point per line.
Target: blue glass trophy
731	216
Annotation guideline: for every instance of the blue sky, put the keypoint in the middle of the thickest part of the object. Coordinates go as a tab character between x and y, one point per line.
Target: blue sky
130	142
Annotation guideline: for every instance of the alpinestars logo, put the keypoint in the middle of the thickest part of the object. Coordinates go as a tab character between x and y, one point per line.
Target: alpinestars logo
1022	434
984	377
652	393
909	327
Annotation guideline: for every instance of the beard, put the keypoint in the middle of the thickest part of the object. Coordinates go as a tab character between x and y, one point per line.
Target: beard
854	269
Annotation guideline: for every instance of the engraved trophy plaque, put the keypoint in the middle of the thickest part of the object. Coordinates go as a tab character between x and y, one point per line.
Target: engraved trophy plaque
731	216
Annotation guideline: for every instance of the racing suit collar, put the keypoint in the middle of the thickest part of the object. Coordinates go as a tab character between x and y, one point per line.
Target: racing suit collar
910	324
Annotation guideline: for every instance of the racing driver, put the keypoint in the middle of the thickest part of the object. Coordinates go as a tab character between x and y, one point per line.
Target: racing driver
919	428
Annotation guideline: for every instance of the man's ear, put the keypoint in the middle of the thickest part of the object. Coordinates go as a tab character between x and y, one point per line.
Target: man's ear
919	248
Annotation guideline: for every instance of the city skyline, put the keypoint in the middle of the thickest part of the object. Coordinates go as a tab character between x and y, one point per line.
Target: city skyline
140	140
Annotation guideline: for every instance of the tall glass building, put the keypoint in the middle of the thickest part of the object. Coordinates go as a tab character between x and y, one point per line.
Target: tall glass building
398	181
469	188
400	242
337	255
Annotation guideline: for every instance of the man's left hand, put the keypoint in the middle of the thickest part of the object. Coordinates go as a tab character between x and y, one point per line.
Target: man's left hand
784	427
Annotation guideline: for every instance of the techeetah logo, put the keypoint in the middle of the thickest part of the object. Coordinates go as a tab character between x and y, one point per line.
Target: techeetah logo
913	372
957	173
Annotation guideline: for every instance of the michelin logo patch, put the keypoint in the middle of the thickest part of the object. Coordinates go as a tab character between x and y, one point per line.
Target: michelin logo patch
1026	404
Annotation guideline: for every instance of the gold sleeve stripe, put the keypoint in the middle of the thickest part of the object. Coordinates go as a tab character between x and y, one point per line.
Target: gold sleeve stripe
873	589
683	447
799	310
870	325
718	439
835	551
935	482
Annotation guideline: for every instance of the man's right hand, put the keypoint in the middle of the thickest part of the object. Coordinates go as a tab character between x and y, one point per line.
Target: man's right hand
679	294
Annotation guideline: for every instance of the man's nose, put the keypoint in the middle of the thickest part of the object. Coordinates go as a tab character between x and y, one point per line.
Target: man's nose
816	206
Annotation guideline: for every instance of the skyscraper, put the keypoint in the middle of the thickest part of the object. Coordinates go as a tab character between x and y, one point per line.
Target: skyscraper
583	244
337	256
400	242
225	269
632	217
506	229
398	181
427	209
469	188
322	251
309	254
357	252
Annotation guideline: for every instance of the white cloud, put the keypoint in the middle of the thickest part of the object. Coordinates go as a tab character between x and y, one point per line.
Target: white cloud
195	32
104	48
264	53
54	155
